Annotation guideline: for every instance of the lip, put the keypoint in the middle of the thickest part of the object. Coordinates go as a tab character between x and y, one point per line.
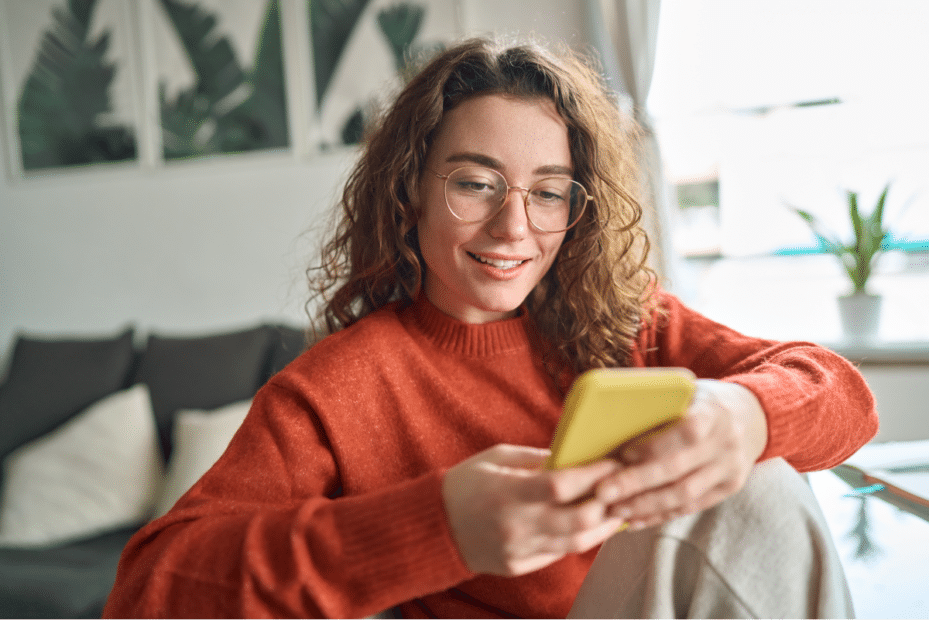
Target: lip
496	272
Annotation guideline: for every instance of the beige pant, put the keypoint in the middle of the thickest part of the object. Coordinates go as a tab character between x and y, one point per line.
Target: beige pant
766	552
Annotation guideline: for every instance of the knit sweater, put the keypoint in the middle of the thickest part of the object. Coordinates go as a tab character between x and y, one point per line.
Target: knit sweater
328	501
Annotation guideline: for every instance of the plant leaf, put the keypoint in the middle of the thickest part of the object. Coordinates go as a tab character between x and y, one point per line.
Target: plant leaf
331	25
66	96
400	24
829	244
265	111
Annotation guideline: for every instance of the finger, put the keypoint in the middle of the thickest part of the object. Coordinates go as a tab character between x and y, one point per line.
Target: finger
570	484
578	529
571	519
682	495
687	432
519	457
699	491
652	474
714	497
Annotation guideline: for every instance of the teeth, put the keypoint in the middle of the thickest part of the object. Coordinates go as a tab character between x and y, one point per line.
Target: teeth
499	264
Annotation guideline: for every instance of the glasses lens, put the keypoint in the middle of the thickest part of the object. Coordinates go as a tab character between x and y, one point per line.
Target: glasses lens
556	204
474	194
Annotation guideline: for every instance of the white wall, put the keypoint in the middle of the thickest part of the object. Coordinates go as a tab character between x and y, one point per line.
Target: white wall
197	246
206	245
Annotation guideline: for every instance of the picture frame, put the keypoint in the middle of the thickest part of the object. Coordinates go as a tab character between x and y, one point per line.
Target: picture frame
72	100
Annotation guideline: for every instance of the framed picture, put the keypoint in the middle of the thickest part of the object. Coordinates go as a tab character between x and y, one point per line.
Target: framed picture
366	49
220	76
69	83
149	81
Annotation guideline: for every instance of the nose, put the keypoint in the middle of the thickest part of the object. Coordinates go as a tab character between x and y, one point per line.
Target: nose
511	222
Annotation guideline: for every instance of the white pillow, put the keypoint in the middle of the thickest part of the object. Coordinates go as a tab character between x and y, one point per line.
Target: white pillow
199	439
98	471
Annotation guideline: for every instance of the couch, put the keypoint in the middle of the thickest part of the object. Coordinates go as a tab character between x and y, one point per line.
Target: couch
98	436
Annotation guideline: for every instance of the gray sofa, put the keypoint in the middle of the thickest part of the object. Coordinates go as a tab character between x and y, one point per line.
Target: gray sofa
52	380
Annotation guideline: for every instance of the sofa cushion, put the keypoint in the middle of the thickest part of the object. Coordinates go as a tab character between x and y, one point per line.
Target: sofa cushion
70	581
199	439
287	343
98	471
51	380
201	373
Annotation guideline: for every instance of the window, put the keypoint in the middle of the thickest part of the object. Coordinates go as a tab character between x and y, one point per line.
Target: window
762	106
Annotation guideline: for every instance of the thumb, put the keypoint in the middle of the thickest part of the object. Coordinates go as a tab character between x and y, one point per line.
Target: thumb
517	457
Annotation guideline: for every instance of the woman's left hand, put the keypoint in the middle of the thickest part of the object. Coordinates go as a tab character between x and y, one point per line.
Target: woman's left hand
693	464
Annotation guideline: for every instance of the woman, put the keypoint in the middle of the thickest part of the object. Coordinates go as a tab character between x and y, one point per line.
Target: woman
489	251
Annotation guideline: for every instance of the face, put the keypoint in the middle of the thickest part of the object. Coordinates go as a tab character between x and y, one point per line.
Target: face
481	272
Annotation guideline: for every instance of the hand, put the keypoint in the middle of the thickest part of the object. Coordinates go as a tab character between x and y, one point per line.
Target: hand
509	516
693	464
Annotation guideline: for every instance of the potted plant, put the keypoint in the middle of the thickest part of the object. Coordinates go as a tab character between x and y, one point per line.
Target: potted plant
859	309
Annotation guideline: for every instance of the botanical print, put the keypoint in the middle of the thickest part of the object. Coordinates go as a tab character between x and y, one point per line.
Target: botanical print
65	108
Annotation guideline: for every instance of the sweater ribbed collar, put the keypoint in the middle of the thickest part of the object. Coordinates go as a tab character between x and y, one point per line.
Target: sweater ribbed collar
468	338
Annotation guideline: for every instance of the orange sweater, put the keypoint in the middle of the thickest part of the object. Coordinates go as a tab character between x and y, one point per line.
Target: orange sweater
328	500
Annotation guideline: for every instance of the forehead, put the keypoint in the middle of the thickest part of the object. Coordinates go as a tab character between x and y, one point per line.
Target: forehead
509	131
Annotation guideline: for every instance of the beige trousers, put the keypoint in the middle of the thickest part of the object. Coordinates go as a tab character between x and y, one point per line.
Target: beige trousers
765	552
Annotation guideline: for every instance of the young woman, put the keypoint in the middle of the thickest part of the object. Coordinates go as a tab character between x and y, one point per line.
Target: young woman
489	251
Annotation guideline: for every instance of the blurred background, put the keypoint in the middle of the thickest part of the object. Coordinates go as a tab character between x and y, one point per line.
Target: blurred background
171	164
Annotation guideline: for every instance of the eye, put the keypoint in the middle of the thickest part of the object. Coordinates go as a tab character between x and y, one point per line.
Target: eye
550	194
475	186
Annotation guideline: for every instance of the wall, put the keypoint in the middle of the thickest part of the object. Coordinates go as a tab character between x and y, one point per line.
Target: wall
206	245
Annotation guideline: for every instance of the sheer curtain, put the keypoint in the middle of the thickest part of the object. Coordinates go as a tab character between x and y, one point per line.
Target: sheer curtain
625	33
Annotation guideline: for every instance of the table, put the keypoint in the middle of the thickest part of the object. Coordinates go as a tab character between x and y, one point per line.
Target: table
884	550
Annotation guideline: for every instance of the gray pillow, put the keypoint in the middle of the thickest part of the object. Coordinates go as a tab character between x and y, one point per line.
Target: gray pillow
201	373
51	380
287	343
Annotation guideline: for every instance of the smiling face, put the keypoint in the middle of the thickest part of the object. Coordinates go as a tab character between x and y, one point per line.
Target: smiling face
481	272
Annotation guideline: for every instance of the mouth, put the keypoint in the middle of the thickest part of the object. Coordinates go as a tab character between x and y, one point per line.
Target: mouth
498	263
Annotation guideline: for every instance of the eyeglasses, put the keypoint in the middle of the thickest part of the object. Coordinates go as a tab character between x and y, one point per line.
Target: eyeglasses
476	194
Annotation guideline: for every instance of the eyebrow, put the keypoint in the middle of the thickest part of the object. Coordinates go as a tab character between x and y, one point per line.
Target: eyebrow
490	162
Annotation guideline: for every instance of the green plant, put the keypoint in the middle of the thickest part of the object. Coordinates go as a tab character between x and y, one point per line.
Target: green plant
858	257
63	106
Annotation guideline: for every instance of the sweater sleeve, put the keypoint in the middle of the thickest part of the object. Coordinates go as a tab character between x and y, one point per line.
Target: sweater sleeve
818	407
265	533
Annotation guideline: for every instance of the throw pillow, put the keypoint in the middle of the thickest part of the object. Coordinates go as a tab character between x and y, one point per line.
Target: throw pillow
50	381
99	471
200	438
287	343
201	373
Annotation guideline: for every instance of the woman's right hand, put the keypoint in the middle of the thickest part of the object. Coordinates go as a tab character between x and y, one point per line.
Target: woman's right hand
510	516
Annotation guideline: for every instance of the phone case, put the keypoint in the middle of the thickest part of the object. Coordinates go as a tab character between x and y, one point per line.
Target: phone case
606	407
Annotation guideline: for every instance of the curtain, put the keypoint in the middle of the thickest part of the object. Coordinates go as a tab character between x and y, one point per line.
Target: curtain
625	32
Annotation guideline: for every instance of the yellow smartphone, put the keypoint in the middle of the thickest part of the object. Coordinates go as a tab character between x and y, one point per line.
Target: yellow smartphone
607	407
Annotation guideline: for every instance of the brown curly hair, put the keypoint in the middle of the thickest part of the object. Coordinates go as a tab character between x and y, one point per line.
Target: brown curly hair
592	302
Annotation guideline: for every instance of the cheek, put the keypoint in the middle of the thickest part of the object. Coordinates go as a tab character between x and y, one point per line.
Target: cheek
551	247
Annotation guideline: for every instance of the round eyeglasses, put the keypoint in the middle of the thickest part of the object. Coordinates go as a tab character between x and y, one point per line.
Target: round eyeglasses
476	194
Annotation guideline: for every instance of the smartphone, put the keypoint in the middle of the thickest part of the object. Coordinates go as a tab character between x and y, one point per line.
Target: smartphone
607	407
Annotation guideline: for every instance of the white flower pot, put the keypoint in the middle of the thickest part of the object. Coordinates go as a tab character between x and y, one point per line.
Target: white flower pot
861	314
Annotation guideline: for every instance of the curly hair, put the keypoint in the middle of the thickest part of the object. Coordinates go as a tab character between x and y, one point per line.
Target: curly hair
591	304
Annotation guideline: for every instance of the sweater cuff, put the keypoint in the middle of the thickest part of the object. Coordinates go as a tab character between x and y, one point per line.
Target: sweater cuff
783	420
398	540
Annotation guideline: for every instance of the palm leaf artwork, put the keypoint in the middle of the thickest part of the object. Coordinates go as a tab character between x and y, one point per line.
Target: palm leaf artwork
331	26
65	100
227	110
858	257
400	26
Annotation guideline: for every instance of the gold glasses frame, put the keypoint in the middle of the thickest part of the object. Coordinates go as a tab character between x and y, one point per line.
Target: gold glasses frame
527	193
